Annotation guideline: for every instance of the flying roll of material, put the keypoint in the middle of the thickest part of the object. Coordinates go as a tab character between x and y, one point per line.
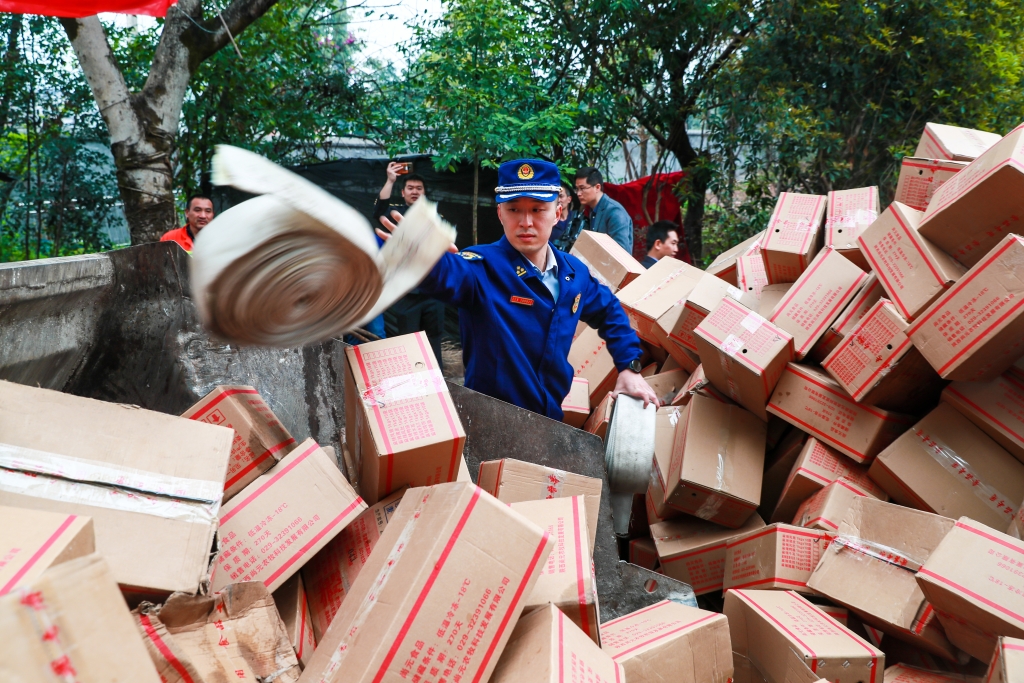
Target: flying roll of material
296	265
629	456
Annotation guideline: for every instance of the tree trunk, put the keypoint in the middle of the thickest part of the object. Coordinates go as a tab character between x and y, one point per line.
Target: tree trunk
476	191
143	126
696	184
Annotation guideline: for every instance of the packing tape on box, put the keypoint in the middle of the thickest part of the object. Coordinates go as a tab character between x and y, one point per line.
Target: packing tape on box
723	474
297	265
404	387
878	551
951	461
629	456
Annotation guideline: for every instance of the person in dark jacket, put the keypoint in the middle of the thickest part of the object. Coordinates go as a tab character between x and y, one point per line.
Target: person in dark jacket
606	215
662	240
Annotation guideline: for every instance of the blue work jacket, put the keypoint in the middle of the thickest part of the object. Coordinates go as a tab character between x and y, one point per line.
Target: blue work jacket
515	337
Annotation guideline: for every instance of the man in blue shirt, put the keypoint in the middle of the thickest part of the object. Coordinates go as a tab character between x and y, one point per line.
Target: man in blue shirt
519	301
606	214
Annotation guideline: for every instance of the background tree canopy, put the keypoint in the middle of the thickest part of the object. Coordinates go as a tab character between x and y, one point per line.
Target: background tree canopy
751	97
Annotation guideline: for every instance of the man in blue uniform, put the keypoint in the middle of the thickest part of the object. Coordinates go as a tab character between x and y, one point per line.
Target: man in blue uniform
519	301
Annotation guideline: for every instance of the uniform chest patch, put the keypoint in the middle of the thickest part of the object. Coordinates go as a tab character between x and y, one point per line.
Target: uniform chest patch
470	255
522	300
576	303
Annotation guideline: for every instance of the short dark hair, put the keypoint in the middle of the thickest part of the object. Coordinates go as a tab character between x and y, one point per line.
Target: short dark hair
659	231
188	204
414	176
591	175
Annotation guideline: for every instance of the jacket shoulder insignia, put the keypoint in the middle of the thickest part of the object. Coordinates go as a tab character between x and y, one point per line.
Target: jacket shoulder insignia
471	256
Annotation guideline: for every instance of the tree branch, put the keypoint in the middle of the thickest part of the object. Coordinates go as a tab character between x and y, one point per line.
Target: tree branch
238	16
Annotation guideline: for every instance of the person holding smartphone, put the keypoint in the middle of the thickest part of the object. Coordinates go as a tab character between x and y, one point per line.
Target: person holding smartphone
412	188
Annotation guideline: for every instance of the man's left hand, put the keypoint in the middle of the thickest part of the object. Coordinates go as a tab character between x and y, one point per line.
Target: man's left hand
633	384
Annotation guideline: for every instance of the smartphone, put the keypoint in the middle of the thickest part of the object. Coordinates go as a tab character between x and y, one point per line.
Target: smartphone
404	167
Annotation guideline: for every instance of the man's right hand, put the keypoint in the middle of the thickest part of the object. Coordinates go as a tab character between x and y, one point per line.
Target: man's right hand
393	171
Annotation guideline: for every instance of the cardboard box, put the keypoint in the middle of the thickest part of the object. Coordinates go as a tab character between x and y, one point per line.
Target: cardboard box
920	178
816	466
904	673
590	360
281	520
778	466
667	385
32	541
717	462
566	580
814	402
793	236
871	292
946	465
698	383
941	141
913	270
724	265
72	624
771	295
975	210
750	273
743	355
463	580
260	438
576	406
817	298
826	508
705	297
410	433
974	331
779	557
1007	665
670	639
643	553
870	568
546	647
656	509
997	407
606	260
878	366
656	298
971	579
849	214
293	607
233	634
329	575
514	481
464	474
693	551
152	483
600	417
665	422
786	638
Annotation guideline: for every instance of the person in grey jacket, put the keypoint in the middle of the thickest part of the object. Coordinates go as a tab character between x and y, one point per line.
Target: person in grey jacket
606	214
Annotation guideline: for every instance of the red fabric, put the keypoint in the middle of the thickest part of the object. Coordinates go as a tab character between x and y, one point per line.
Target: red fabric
662	205
86	8
179	235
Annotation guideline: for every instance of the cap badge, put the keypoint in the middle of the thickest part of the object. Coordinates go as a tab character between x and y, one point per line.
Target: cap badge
525	172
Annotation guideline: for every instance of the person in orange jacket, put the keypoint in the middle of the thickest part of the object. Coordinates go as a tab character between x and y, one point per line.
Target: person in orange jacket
198	212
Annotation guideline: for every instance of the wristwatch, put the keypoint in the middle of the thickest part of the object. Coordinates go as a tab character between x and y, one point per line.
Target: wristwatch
635	366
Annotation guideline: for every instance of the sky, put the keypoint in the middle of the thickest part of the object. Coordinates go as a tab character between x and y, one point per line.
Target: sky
389	26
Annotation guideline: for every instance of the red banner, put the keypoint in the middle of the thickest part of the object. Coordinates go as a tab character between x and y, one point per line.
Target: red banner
86	8
662	205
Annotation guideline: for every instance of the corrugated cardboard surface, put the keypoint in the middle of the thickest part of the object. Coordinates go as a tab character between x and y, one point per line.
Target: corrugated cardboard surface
705	297
717	462
786	638
514	481
450	571
329	575
849	214
546	647
693	551
668	638
665	422
904	673
643	553
941	141
913	270
413	433
779	556
72	624
945	464
565	579
982	204
659	293
814	402
972	579
826	508
743	355
293	607
606	259
997	407
1008	663
281	520
877	365
750	273
920	178
870	569
590	359
576	406
31	541
260	438
869	293
158	538
793	235
817	298
724	266
600	417
667	384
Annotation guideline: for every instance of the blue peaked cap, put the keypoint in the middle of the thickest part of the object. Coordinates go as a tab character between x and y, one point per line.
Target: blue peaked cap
527	178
